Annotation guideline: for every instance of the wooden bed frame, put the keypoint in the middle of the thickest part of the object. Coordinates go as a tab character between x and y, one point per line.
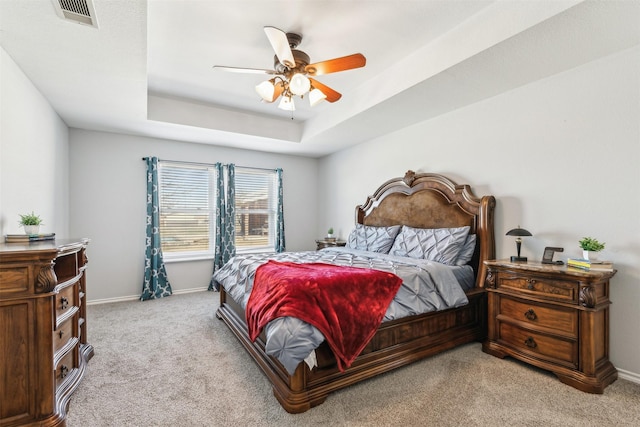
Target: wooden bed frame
417	200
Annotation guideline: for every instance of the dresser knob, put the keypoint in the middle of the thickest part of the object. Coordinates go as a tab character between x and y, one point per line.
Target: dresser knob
64	303
530	314
530	342
530	284
63	371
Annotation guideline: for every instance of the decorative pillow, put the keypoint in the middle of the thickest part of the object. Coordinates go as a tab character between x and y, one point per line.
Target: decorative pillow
372	239
434	244
466	253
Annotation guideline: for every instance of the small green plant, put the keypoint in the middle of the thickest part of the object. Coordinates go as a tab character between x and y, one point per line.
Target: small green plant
591	244
330	231
30	219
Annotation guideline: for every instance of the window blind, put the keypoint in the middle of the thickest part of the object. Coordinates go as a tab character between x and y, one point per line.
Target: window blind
187	207
256	202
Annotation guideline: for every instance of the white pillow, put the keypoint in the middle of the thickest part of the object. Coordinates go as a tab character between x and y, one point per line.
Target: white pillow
435	244
466	253
372	239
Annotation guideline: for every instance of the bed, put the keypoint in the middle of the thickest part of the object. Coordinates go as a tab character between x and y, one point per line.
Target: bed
417	201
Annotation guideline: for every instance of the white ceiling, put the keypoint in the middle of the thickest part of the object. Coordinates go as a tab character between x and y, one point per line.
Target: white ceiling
147	69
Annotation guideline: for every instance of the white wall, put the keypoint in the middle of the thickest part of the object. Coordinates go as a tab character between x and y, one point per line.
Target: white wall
108	196
33	155
562	157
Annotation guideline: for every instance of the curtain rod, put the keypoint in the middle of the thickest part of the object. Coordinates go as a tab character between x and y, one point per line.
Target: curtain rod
212	164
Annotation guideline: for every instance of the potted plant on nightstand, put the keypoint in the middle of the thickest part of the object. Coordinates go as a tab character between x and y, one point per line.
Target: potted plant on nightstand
31	223
589	247
330	236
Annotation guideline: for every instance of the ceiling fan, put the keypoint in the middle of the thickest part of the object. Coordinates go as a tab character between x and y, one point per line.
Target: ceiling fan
292	69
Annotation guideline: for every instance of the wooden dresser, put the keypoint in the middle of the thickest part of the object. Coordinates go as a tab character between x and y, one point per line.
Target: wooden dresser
43	332
553	317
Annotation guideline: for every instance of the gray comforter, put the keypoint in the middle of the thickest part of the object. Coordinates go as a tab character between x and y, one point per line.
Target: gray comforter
427	286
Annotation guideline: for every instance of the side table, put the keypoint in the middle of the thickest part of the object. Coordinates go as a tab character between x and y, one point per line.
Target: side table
553	317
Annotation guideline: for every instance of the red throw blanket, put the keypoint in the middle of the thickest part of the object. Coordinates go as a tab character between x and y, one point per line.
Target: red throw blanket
346	304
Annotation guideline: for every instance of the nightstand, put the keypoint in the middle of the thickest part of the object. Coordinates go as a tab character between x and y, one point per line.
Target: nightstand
323	243
553	317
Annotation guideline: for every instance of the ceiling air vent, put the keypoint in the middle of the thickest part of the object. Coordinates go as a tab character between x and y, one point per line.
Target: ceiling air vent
78	11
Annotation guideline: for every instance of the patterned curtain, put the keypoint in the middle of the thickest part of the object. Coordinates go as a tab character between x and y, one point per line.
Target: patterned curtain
220	207
225	219
156	284
229	220
280	246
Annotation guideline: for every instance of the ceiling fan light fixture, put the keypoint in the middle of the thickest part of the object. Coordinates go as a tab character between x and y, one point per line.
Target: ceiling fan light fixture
287	104
316	96
294	74
266	90
299	84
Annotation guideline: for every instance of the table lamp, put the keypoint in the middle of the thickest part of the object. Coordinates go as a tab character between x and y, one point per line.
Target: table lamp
518	232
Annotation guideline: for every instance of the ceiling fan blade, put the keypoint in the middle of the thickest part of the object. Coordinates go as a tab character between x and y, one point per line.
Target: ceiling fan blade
332	95
280	44
349	62
244	70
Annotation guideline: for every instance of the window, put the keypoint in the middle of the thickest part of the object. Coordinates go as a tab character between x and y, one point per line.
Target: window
188	195
256	204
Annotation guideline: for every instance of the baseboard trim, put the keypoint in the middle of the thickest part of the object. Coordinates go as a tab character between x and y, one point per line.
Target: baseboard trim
137	297
629	376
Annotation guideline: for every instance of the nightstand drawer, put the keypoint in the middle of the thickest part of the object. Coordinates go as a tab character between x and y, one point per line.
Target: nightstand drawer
560	319
553	348
540	287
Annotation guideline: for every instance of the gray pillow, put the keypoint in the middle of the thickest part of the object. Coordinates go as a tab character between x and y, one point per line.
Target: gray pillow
466	253
372	239
434	244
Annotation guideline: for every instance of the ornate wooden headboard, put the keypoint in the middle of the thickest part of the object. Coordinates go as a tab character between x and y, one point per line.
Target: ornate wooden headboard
425	200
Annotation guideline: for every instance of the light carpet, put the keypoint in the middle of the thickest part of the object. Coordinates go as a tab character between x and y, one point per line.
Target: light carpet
171	362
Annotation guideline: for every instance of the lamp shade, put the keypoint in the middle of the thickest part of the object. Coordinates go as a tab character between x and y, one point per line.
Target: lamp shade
299	84
315	96
266	90
518	232
286	103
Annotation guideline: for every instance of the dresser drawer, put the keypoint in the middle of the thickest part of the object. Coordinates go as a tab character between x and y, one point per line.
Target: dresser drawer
64	333
562	320
539	286
65	367
553	348
66	303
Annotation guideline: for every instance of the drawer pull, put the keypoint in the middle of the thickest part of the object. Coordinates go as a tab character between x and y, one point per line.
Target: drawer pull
530	342
530	284
64	303
530	314
64	371
60	334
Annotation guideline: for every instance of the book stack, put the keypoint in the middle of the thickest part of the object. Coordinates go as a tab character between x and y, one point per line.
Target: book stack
26	238
585	264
